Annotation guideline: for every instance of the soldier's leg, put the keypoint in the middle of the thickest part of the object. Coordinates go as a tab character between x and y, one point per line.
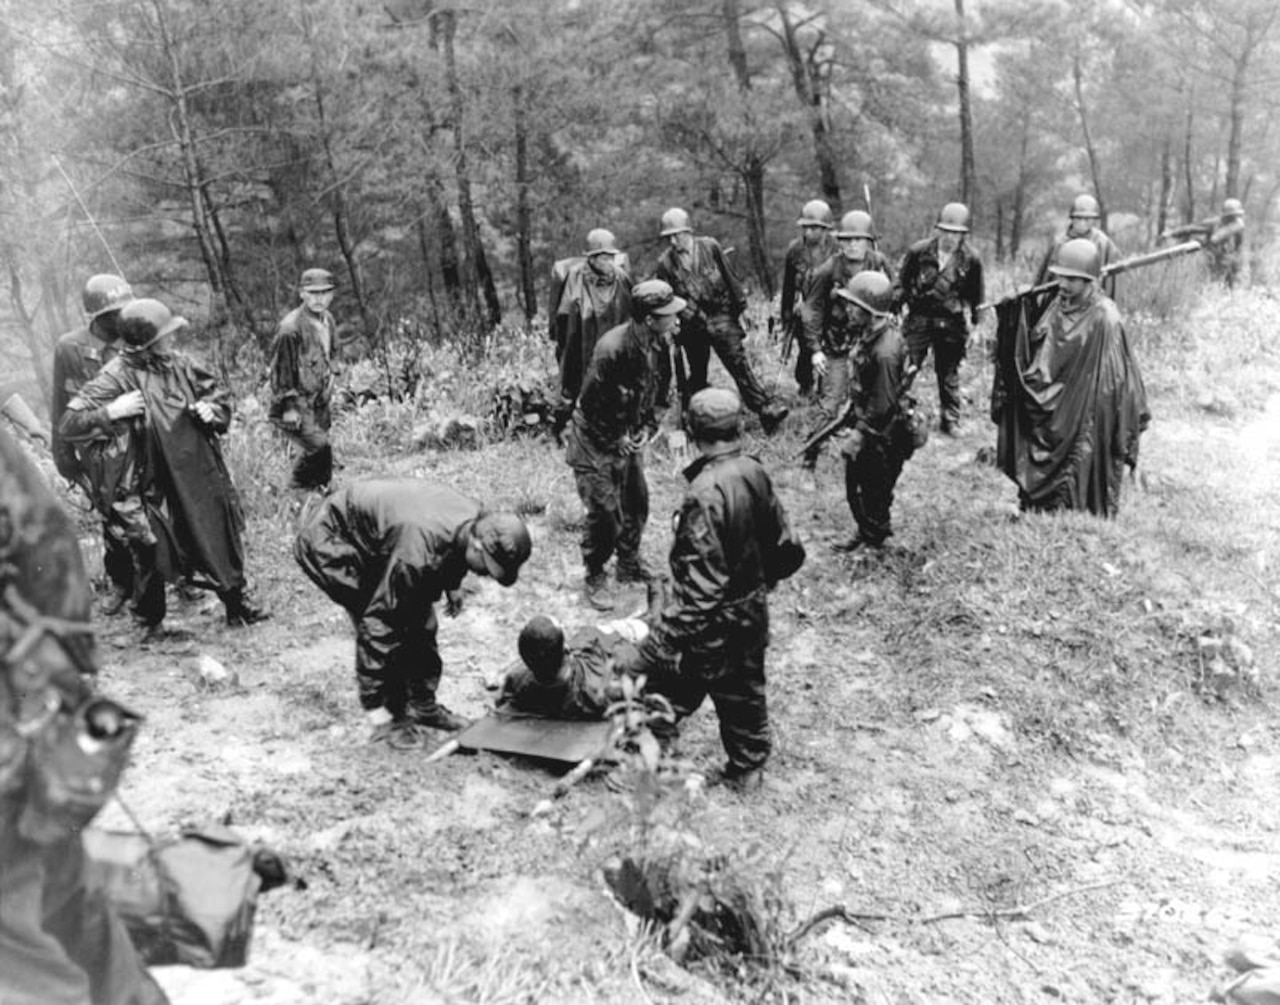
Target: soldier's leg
421	668
634	492
149	605
696	345
948	352
600	492
314	467
916	332
739	697
117	563
727	340
873	475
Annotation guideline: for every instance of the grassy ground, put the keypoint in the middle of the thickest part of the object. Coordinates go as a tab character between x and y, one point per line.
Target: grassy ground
1056	731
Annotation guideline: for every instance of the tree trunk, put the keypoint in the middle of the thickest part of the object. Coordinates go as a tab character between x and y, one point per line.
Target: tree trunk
1020	189
752	169
1095	168
1166	184
968	169
524	217
1189	188
475	269
810	88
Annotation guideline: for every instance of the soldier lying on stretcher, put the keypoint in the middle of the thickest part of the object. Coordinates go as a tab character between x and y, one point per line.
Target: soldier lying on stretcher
567	680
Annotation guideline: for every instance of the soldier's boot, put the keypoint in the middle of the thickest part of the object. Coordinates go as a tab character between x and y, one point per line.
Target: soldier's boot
116	600
242	611
773	416
436	716
595	590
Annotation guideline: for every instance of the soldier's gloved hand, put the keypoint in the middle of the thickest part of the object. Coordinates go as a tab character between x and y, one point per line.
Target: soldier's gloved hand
204	412
819	361
452	603
126	406
291	419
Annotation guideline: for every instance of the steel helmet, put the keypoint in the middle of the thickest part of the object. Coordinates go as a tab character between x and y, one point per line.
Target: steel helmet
954	217
870	290
675	221
1084	206
856	223
601	242
1233	207
815	213
1078	257
142	322
104	293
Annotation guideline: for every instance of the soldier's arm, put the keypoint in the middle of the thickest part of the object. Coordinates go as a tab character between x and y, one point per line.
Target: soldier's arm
285	368
64	454
208	390
88	416
813	310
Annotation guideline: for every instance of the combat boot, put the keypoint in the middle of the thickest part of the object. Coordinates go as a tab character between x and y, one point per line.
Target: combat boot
242	611
633	569
772	417
595	590
436	716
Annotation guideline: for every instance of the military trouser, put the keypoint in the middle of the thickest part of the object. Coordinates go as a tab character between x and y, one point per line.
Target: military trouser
733	676
869	479
614	491
947	338
833	392
725	335
313	469
406	683
804	361
60	942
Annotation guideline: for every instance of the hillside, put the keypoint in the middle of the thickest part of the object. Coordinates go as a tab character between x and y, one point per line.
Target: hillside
1008	737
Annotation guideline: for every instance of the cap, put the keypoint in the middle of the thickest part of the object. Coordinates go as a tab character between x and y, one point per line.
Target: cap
316	281
715	413
504	543
655	296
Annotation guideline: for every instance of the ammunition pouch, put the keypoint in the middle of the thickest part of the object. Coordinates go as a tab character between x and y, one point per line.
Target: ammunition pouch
910	428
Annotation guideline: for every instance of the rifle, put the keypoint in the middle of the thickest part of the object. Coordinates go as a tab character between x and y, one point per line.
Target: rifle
1114	269
848	415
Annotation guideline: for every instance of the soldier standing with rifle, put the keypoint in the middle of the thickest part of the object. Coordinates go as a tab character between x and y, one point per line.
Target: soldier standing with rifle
939	284
882	437
78	357
698	271
1222	237
804	254
829	332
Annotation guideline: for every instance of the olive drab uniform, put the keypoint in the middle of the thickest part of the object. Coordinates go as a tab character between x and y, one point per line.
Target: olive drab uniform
827	328
618	399
733	543
711	321
798	266
302	375
580	690
61	942
937	295
77	358
875	455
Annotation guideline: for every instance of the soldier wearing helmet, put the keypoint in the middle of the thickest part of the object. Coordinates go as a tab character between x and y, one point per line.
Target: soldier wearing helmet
302	376
698	271
77	358
829	331
590	294
733	544
804	254
940	285
1222	238
615	417
1070	425
877	448
158	416
62	748
385	550
1083	223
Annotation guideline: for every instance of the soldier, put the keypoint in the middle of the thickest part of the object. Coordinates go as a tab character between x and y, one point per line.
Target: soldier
385	550
804	254
880	442
733	544
939	283
559	680
63	748
1071	417
828	334
77	358
1083	223
1222	238
615	417
699	272
302	374
589	296
157	415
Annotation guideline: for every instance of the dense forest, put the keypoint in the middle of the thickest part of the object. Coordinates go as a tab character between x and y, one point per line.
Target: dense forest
438	157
